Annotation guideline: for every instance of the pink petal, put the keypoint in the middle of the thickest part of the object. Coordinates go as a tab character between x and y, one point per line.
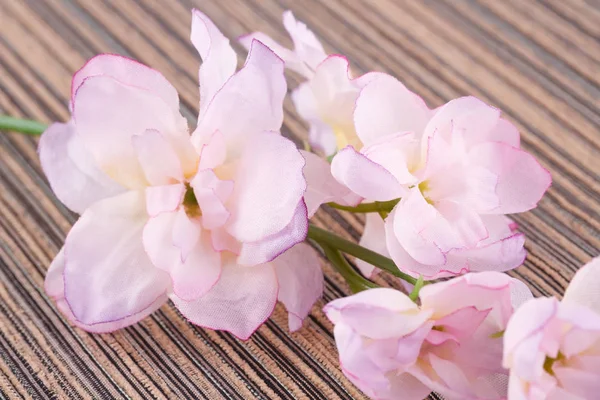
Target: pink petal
108	275
268	187
300	282
306	44
72	172
54	282
396	153
291	59
380	313
254	95
214	152
107	113
219	60
504	132
333	101
469	115
482	290
158	159
266	249
407	387
463	322
584	384
373	238
55	288
522	181
193	276
166	198
223	241
528	320
211	194
423	231
322	186
364	177
585	285
467	224
129	72
320	135
356	363
500	255
186	233
240	302
386	106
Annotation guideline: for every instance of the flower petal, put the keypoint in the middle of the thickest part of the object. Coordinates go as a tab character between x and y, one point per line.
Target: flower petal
158	159
166	198
386	106
251	101
193	275
469	115
373	238
585	285
55	288
211	194
108	113
320	135
73	175
268	187
389	312
108	275
306	44
291	59
522	181
240	302
321	186
364	177
266	249
129	72
300	282
423	231
219	60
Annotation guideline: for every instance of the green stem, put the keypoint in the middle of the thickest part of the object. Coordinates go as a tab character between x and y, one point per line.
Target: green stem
415	292
26	126
377	206
356	282
324	237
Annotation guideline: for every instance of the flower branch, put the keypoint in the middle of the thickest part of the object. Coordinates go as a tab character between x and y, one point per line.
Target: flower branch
26	126
324	237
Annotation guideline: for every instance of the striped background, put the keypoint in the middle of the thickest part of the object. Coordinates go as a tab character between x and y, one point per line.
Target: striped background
537	61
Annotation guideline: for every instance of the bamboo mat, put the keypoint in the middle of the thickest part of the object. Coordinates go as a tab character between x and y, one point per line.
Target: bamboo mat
537	61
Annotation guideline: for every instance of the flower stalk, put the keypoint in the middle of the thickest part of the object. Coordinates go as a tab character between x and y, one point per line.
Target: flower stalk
381	207
26	126
324	237
356	282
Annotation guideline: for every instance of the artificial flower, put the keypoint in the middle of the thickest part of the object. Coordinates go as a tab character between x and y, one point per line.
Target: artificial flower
455	172
326	99
211	220
553	347
391	348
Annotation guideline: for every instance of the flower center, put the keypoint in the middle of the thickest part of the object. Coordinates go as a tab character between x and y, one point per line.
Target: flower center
549	362
190	203
424	188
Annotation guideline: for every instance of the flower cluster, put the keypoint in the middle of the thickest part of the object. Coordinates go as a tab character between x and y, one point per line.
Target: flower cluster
216	219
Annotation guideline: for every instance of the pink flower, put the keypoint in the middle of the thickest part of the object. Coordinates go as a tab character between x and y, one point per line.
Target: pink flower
552	348
457	169
326	100
203	219
390	348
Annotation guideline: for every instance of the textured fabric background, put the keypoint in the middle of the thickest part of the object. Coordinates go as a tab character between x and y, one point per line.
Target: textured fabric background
537	61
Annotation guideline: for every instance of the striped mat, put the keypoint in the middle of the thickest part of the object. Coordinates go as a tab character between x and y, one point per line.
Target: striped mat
538	61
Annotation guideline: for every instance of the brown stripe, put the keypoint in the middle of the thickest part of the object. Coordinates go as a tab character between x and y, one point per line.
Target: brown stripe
538	61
